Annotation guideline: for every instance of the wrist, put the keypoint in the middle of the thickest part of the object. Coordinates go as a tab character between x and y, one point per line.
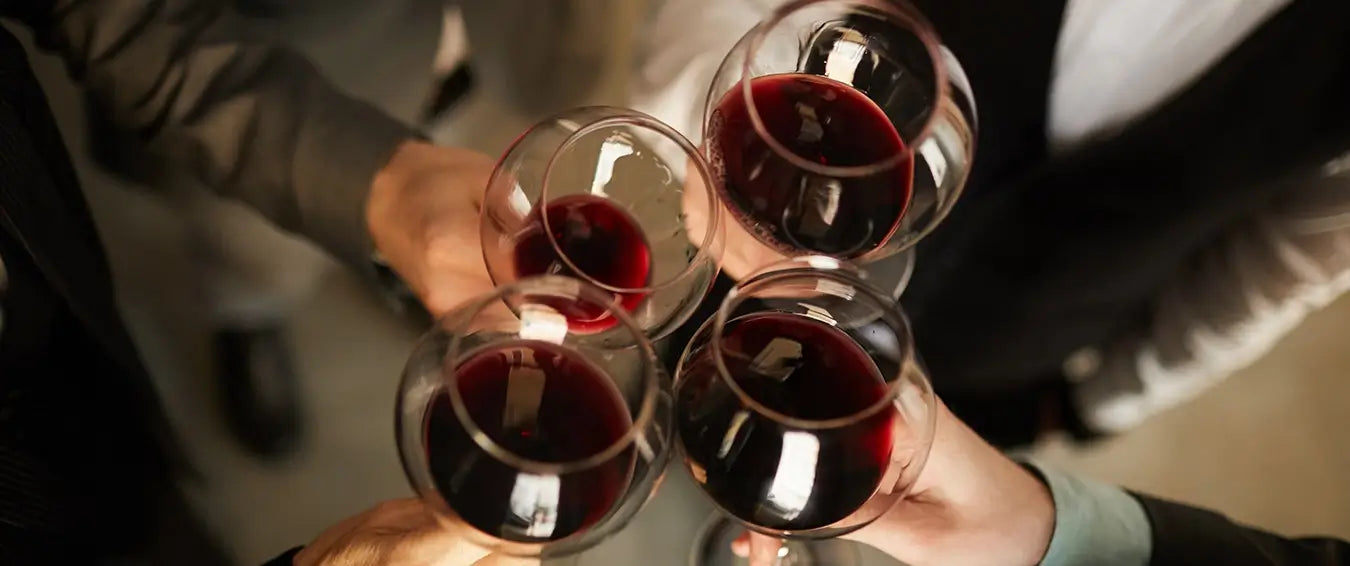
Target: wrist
1007	509
970	505
1094	523
1025	520
1039	520
403	166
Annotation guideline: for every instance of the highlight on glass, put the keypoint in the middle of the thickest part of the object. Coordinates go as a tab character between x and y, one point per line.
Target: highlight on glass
598	193
802	410
531	437
841	128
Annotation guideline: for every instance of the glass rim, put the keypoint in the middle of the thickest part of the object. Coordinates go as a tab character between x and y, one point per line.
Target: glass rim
893	384
899	9
650	374
625	116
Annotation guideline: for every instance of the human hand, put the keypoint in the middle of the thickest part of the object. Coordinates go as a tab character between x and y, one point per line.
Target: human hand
970	506
422	213
401	532
740	251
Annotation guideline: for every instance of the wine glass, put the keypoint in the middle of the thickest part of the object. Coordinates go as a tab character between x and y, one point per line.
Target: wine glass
842	128
597	193
526	436
802	410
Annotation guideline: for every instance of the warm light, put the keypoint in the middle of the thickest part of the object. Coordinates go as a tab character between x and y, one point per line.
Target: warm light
534	502
613	149
541	322
843	60
796	476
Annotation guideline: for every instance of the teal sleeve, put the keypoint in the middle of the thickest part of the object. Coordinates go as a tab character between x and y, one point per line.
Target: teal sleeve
1095	524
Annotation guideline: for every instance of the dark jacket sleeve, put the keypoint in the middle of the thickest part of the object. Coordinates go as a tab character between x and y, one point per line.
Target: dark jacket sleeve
254	120
286	559
1185	536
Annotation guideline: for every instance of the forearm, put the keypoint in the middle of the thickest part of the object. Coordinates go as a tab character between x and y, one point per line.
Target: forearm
1184	535
680	53
1102	525
542	57
253	120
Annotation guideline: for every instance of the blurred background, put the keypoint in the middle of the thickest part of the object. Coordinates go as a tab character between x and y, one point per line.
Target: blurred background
1269	446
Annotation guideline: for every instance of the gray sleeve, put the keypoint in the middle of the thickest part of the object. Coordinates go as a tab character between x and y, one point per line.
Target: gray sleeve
543	57
253	120
1228	306
1095	524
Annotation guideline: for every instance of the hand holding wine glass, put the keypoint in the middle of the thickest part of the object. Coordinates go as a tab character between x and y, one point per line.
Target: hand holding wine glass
802	410
595	193
522	430
401	532
422	213
971	506
838	127
742	252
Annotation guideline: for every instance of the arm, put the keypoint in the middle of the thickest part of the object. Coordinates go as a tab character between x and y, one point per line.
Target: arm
971	505
255	121
1229	307
545	56
1184	535
1101	524
286	559
681	51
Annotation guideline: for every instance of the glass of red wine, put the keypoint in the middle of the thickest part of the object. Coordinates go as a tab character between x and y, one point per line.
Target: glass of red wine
802	410
842	128
528	437
597	193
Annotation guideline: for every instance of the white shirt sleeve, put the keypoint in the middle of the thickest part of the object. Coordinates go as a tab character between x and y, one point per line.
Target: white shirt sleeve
1229	306
680	52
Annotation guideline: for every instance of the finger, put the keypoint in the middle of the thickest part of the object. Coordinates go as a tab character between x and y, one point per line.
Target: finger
740	252
449	288
437	544
764	550
698	201
741	546
385	513
379	529
408	532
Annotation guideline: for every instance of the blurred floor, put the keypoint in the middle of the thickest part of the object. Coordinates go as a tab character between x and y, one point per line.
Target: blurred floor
1270	446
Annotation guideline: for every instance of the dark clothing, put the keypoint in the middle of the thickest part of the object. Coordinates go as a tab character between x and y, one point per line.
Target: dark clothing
285	559
1066	252
86	462
1186	536
88	474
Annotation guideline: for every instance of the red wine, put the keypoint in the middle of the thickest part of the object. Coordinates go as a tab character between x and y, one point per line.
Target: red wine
825	122
600	239
542	403
771	475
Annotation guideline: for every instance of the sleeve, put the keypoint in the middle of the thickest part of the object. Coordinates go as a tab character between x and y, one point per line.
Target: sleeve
680	52
1095	523
286	559
1227	308
1184	535
255	121
542	56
